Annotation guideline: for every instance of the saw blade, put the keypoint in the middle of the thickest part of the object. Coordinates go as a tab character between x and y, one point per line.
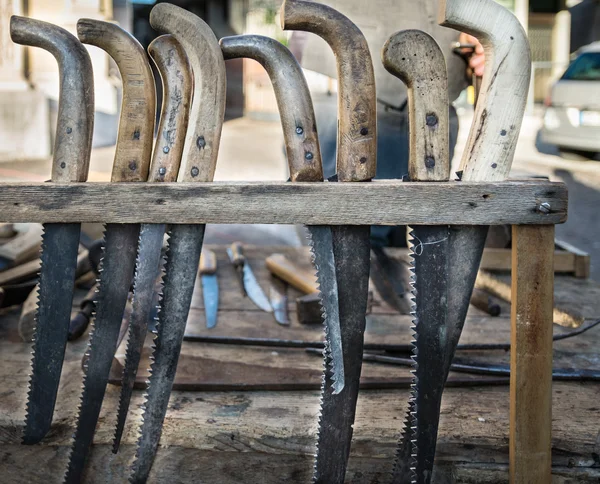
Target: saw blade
321	247
58	263
182	261
351	250
117	269
430	272
147	269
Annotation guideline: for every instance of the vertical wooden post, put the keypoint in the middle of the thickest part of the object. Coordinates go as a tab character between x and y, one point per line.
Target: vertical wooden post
531	354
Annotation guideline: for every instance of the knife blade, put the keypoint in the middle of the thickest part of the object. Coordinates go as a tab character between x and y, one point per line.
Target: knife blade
132	159
210	286
248	281
356	162
60	242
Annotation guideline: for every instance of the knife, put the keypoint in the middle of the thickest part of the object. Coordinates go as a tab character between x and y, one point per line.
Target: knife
248	281
60	244
210	286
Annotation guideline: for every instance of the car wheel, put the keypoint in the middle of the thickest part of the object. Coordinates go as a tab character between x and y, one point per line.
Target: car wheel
576	155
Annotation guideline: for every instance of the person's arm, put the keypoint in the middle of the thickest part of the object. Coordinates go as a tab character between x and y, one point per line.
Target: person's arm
477	60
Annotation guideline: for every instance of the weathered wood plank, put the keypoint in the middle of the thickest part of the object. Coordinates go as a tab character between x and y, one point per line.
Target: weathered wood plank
530	447
381	203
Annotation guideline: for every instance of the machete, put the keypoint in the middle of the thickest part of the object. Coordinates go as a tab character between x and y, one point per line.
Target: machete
487	157
416	58
132	159
356	162
248	283
198	164
305	165
176	75
60	242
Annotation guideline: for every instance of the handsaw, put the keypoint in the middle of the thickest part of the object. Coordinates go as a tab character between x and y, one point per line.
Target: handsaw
185	244
305	165
132	159
60	242
487	157
356	162
176	74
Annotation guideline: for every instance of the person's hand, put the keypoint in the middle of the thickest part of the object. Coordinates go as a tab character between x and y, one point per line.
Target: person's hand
477	60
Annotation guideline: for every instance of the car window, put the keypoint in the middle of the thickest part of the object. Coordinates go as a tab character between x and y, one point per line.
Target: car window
585	68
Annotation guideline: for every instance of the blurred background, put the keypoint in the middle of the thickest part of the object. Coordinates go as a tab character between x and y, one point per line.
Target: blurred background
560	138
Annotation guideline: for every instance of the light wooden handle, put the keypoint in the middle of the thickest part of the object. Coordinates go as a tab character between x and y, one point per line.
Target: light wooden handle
75	123
176	74
208	262
416	58
282	267
138	107
237	254
357	102
208	105
293	100
495	131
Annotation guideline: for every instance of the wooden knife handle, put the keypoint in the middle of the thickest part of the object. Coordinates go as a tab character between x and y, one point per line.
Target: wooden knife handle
75	123
138	107
208	262
416	58
237	254
357	101
176	75
293	100
501	105
282	267
207	114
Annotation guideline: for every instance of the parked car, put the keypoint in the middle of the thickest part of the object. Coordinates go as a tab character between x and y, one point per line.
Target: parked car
572	117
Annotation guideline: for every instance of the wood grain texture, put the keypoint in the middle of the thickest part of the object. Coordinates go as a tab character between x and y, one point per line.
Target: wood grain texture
176	75
207	114
75	122
300	279
138	106
382	203
531	355
23	247
357	102
293	100
416	58
497	122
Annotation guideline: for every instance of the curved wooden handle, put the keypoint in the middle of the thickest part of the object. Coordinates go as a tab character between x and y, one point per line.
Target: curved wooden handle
282	267
416	58
357	102
237	254
75	124
138	108
176	74
293	100
208	106
208	262
495	131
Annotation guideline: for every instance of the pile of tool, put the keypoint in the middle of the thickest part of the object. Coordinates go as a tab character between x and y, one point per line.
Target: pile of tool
191	62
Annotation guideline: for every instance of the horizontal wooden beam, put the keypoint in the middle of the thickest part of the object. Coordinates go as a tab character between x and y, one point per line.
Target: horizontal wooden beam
374	203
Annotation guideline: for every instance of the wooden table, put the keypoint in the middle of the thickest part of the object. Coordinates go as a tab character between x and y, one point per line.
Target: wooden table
268	437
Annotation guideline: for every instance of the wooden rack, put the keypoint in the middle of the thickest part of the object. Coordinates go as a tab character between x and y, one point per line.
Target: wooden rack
532	207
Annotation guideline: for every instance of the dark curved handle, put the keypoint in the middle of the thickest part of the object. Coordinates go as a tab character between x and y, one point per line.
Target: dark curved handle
75	124
357	101
293	100
138	107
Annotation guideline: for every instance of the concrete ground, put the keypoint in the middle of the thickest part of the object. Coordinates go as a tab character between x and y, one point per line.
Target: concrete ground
252	150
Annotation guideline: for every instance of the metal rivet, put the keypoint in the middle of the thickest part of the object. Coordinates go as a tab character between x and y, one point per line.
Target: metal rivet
63	165
430	162
299	130
69	130
431	119
136	134
544	207
494	165
133	166
503	132
166	149
364	131
195	172
363	160
162	171
308	155
201	142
